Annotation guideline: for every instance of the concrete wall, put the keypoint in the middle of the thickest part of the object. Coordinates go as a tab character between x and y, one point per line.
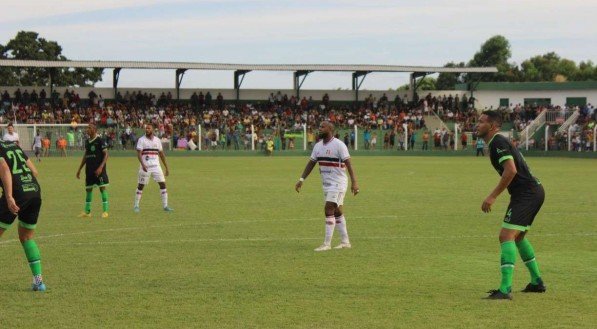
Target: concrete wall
485	98
489	98
245	94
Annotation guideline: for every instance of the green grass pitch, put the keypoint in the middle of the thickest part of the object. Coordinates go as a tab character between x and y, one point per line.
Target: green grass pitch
237	252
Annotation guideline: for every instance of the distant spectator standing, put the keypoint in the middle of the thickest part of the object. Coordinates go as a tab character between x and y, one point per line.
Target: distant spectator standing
269	146
11	135
37	146
425	140
61	146
480	146
45	146
367	138
464	140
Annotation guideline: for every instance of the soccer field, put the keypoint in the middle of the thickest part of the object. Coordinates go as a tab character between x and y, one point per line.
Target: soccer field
237	252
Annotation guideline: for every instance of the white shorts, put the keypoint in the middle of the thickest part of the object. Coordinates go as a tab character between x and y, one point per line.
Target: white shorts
336	197
155	173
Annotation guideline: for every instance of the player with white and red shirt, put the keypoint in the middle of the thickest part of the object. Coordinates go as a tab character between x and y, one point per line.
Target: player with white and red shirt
149	153
333	158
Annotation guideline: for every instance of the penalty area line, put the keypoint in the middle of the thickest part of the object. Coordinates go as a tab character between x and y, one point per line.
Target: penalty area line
139	228
274	239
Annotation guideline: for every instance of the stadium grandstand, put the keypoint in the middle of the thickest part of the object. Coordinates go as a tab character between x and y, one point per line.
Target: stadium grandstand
542	116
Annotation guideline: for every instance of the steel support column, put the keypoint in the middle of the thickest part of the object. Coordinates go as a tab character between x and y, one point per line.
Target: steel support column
414	84
356	84
239	77
115	77
179	76
298	82
51	78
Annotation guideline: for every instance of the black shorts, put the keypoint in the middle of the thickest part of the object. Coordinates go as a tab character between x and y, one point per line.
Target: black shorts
28	212
92	180
523	208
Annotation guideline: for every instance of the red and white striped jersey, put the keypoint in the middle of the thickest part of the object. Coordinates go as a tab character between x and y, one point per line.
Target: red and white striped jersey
331	157
150	149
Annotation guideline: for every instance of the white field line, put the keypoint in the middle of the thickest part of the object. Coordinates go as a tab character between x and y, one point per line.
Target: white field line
139	228
265	239
400	237
273	239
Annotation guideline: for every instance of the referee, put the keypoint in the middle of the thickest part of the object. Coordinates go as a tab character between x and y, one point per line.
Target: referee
526	198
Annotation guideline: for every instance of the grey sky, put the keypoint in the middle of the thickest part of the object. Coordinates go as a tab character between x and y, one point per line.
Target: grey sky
308	31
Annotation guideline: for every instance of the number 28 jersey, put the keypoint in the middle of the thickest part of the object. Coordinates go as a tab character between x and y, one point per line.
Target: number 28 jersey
24	184
150	149
331	157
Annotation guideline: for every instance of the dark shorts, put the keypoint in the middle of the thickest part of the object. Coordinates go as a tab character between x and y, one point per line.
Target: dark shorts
28	213
523	208
92	180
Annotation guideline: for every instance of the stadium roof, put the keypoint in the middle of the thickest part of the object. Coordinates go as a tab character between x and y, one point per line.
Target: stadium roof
243	67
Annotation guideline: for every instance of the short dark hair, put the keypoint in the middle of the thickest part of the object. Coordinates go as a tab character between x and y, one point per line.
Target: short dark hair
9	125
494	117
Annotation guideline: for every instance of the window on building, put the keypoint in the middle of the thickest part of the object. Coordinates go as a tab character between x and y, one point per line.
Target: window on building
537	101
576	101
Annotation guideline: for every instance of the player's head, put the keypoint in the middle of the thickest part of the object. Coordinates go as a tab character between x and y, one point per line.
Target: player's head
489	121
91	130
326	129
149	129
10	128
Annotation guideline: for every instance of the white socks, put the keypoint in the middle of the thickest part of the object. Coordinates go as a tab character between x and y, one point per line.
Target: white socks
138	197
164	194
341	227
329	229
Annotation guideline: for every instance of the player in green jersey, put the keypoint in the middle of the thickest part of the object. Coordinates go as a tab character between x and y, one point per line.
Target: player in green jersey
526	198
94	160
21	197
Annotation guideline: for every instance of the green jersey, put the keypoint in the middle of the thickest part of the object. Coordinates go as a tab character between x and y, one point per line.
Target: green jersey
24	184
94	154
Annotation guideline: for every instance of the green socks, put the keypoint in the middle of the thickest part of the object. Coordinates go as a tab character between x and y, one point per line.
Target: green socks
34	259
105	200
508	256
528	257
88	199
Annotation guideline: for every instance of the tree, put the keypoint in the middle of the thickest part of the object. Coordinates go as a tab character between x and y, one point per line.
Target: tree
446	81
586	71
28	45
494	52
550	67
427	83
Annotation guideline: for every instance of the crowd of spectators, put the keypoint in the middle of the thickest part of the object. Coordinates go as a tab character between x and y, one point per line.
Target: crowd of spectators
224	124
227	125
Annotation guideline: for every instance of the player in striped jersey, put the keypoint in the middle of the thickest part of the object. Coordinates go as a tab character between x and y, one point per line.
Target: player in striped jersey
333	158
149	153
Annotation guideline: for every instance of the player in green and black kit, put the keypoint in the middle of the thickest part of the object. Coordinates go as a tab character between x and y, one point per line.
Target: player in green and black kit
21	196
526	198
94	160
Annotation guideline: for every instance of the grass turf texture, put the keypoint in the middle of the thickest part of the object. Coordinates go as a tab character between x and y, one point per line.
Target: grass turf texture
238	250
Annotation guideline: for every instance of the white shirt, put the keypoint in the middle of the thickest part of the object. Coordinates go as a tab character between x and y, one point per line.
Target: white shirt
331	157
37	141
150	149
14	137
